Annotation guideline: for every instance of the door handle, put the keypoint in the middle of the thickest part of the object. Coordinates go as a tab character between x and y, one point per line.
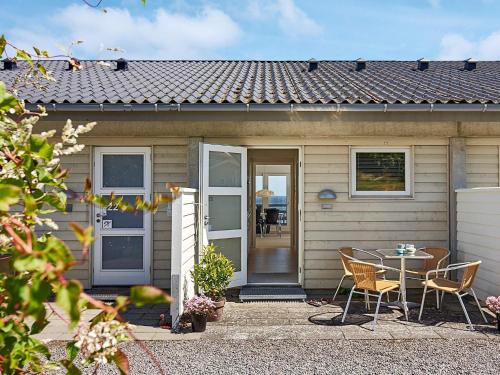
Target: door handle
206	219
98	215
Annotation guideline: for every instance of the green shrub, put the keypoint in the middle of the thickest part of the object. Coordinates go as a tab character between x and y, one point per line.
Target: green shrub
213	273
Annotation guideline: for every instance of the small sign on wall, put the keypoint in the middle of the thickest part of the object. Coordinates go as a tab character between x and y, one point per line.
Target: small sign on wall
107	224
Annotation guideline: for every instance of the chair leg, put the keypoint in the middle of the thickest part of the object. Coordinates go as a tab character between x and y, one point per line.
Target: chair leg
348	303
338	288
422	304
367	300
437	300
376	312
478	305
471	327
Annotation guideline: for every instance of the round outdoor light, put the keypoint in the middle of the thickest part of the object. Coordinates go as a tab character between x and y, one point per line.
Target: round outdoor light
327	194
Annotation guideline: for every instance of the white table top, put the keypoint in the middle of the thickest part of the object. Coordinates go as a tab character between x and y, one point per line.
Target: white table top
393	254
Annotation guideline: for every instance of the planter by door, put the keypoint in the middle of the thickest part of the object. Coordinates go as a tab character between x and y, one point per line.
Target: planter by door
199	322
217	314
498	322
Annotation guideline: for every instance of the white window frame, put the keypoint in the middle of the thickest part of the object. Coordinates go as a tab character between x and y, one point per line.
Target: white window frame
407	193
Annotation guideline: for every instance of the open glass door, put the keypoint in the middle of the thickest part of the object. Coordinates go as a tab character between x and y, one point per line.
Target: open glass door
224	204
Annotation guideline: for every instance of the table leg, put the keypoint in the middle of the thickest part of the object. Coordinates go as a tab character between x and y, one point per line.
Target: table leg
403	286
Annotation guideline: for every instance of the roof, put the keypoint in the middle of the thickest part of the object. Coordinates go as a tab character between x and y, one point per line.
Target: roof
285	82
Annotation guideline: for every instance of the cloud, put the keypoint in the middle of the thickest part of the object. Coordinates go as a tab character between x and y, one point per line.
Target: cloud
434	3
292	20
166	34
457	47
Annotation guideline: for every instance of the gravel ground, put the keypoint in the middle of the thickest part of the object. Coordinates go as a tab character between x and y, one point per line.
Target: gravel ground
313	357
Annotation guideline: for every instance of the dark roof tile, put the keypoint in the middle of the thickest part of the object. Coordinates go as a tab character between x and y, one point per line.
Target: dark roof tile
265	82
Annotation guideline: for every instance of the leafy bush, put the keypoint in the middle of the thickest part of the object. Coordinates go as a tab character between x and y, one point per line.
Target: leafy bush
213	273
32	187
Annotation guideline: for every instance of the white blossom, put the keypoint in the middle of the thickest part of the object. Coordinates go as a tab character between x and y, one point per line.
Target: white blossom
99	343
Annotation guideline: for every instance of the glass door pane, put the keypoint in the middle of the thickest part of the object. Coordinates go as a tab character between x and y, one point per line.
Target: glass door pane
122	252
224	169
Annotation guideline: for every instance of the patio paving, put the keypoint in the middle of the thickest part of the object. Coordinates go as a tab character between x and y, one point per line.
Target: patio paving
301	321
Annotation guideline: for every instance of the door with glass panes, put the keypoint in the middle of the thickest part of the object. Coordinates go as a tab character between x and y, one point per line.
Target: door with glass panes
224	204
122	248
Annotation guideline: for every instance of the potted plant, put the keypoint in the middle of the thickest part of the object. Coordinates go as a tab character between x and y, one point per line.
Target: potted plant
199	307
493	304
212	276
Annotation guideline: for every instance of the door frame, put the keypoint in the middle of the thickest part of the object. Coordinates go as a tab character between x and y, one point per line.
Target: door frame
300	201
96	153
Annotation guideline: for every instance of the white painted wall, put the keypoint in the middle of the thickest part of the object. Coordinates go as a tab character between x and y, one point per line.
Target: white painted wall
184	249
478	234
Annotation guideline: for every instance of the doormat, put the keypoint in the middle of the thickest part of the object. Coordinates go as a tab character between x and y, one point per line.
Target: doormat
266	293
108	294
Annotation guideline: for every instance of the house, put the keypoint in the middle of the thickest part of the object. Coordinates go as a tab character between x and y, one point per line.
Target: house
290	159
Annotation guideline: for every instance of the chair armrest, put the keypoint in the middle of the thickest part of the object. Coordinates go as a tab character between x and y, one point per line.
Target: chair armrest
450	267
379	266
371	254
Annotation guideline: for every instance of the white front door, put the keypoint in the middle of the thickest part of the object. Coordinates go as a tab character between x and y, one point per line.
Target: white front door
122	247
224	204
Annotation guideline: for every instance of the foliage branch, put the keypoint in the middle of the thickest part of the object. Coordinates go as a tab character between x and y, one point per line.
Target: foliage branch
32	188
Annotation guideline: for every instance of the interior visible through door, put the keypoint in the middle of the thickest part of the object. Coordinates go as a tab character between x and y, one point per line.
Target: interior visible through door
272	253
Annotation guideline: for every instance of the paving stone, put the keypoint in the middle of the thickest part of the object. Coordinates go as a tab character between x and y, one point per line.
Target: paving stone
357	333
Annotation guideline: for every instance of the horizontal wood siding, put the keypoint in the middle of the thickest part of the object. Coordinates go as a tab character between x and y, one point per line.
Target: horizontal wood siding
482	165
169	166
369	223
79	169
478	235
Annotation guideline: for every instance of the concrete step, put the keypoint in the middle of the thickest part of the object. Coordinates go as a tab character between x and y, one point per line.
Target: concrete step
270	293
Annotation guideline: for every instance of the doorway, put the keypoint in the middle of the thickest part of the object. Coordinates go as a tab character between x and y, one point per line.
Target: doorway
272	203
122	247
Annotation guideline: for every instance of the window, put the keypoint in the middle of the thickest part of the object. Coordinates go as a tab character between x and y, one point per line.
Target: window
380	172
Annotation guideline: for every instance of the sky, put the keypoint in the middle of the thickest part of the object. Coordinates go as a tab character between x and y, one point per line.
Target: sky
258	29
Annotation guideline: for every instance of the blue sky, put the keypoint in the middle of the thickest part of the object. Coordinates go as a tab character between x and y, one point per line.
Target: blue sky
260	29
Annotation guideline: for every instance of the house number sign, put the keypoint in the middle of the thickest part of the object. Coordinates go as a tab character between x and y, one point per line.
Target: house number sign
107	224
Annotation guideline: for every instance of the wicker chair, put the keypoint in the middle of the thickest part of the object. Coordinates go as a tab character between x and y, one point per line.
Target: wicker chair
365	279
459	288
347	256
440	255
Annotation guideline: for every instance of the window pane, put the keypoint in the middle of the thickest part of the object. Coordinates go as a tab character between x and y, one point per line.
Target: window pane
123	170
380	171
122	252
224	212
231	248
224	169
120	219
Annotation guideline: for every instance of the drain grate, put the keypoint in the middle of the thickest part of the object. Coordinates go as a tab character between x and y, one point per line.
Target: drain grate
272	293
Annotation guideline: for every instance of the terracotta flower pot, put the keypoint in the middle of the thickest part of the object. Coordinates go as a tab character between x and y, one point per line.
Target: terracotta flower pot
5	263
218	312
199	322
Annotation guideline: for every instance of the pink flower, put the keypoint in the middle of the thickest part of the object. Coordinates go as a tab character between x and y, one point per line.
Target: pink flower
199	305
493	303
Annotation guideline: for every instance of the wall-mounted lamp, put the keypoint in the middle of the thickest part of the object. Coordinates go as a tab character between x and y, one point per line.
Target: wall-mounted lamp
327	195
